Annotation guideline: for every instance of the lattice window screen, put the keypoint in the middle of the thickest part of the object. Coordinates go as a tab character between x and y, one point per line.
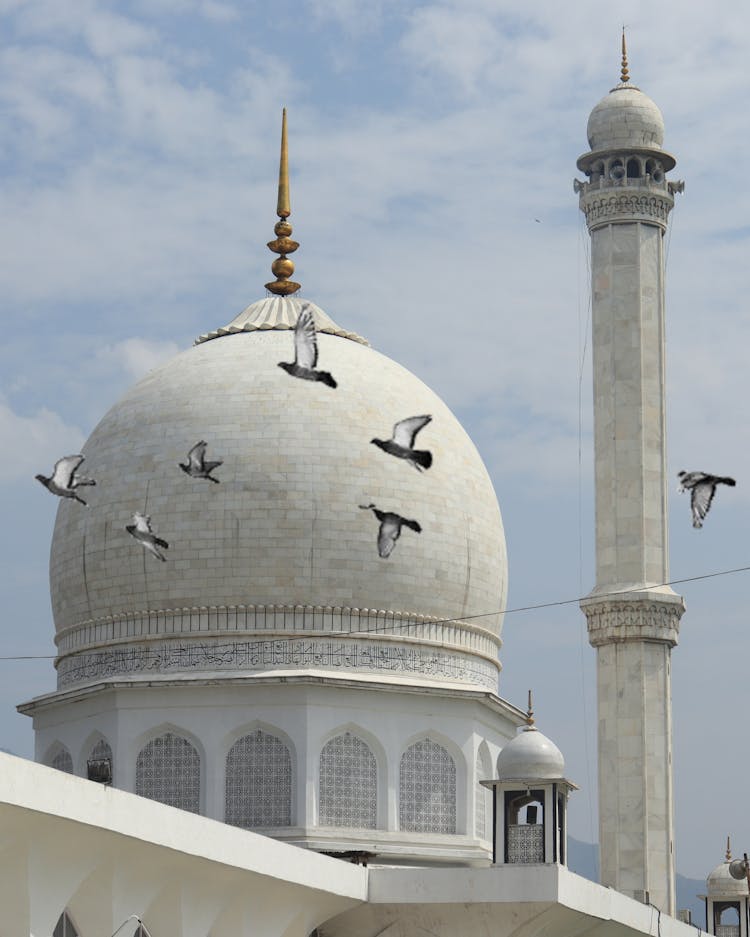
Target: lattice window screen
525	842
168	769
427	789
64	927
348	784
727	930
258	782
62	760
481	813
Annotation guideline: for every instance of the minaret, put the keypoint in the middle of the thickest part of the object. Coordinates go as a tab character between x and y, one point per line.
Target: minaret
633	619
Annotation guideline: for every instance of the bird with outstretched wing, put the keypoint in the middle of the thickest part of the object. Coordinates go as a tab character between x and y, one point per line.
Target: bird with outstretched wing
197	466
306	351
390	528
702	488
142	531
65	478
401	443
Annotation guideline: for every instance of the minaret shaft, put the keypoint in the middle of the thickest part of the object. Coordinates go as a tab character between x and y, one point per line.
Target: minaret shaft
633	618
636	798
629	417
633	633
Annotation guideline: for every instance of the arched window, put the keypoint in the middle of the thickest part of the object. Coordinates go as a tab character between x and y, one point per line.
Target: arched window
64	927
258	782
427	789
634	168
482	794
168	769
60	758
99	763
726	919
348	784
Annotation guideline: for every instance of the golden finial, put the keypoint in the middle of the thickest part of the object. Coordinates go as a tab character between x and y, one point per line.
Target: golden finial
282	267
530	712
729	851
624	76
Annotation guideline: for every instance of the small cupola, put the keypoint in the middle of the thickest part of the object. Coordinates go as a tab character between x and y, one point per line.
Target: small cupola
530	797
727	897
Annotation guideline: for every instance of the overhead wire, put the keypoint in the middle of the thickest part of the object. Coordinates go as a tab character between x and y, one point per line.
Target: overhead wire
393	622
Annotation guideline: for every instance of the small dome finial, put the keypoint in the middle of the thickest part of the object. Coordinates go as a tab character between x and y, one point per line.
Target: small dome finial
729	851
624	76
282	267
530	712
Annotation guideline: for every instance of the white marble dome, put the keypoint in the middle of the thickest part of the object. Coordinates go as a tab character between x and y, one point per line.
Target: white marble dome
530	756
720	884
625	118
279	556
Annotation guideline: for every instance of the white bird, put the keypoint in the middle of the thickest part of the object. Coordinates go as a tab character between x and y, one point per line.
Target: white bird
141	530
402	442
65	478
390	528
702	488
196	465
306	351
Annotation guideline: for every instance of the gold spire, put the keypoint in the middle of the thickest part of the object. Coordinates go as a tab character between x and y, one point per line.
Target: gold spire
282	267
530	713
729	851
624	76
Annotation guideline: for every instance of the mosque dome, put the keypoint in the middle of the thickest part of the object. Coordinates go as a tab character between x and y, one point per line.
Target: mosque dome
625	118
720	884
286	546
530	756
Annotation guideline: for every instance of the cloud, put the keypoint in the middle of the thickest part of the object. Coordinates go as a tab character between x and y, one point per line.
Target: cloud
139	170
104	33
33	443
137	356
354	18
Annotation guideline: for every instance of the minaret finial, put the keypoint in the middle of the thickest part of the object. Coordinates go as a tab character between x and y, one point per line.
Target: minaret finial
729	851
530	712
624	76
282	267
283	209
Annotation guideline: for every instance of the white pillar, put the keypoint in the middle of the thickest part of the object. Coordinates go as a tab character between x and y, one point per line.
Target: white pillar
632	632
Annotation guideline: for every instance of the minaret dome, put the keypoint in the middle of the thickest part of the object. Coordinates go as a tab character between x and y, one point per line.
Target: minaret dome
626	117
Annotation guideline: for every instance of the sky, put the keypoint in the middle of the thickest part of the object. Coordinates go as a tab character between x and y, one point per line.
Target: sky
433	149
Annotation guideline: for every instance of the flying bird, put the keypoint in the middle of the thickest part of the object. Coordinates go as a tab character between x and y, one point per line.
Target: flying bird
306	351
702	488
390	528
65	478
141	530
196	465
401	443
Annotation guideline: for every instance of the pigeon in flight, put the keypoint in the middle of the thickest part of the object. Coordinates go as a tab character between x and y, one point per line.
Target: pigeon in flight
141	530
306	351
196	465
390	528
702	488
65	478
402	442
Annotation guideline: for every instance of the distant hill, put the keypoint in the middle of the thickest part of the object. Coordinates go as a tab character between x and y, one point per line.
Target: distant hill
583	859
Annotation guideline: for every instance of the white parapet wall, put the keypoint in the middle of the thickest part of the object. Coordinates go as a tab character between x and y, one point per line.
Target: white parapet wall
103	855
107	857
522	901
